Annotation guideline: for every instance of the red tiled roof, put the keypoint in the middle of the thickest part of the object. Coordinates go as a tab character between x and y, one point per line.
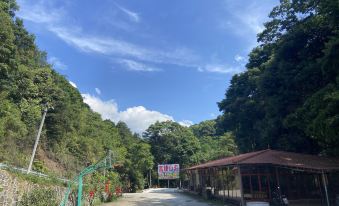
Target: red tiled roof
274	157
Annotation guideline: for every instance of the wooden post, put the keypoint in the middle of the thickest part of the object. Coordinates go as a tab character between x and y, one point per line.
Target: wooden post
325	187
277	177
241	187
223	185
228	182
214	180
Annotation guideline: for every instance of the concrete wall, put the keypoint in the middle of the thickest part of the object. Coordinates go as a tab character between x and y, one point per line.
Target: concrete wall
13	188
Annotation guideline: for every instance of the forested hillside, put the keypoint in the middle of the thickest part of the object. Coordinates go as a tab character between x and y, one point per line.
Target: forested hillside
73	135
288	97
172	143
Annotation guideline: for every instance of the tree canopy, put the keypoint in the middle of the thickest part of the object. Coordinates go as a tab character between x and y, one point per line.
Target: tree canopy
288	96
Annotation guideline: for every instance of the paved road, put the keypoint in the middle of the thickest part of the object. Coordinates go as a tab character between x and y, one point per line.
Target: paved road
158	197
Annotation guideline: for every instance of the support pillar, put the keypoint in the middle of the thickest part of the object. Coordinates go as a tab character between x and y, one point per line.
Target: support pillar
223	185
277	177
325	187
241	187
79	190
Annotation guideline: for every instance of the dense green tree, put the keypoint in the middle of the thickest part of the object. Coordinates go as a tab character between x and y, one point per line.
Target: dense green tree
213	144
172	143
287	97
215	147
204	128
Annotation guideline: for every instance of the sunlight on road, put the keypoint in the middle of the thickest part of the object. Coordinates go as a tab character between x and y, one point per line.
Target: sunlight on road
158	197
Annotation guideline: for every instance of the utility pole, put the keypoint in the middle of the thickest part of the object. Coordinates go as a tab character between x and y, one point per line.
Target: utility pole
37	140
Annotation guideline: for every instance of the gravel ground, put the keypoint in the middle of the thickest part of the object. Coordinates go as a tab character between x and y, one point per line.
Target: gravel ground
159	197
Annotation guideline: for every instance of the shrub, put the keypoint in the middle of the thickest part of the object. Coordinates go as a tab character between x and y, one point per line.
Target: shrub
39	197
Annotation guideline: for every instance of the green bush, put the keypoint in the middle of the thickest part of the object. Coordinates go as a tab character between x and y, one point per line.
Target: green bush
39	197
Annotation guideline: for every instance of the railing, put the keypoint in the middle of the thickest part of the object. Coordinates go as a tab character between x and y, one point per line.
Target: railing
24	171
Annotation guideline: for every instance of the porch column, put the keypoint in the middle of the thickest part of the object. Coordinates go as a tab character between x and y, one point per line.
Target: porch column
277	177
223	185
325	187
241	187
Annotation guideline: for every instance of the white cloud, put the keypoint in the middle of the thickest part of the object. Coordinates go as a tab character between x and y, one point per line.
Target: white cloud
73	84
222	69
131	54
186	123
239	58
246	20
247	17
98	91
107	109
137	66
74	36
39	12
56	63
137	118
132	15
119	48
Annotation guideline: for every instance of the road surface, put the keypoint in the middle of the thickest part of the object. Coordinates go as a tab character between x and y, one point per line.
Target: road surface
159	197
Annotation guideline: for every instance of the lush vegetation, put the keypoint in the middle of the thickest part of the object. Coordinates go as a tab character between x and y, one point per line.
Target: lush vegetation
288	98
73	135
172	143
39	197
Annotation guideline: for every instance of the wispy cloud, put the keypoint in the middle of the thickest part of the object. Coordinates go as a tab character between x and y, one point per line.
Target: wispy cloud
132	15
137	66
56	63
39	12
223	69
247	19
134	57
95	43
249	16
73	84
73	35
239	58
98	91
186	123
120	48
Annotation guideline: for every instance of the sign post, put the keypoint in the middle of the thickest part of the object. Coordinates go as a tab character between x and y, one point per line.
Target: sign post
168	172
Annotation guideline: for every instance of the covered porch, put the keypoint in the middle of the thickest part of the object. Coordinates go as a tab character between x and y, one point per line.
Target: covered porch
260	176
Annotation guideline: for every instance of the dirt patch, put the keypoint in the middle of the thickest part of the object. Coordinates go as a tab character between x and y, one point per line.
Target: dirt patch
49	162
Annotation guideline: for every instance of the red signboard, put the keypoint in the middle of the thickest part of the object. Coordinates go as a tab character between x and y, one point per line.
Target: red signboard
168	171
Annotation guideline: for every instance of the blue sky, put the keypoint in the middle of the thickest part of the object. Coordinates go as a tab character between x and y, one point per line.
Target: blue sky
146	61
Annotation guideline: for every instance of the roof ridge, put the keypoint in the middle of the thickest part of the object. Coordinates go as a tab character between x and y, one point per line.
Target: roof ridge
254	155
